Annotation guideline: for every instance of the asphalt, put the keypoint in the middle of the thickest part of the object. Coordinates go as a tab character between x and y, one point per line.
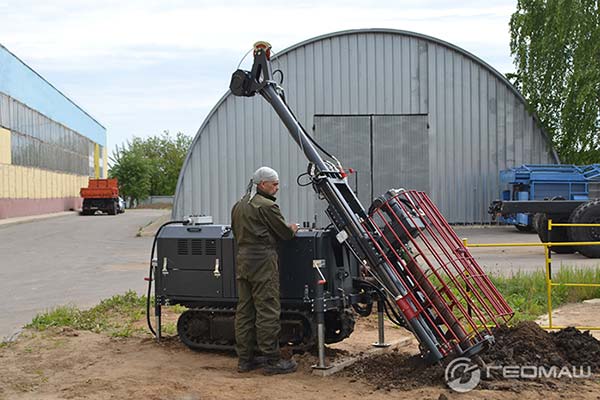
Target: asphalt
58	259
65	258
509	260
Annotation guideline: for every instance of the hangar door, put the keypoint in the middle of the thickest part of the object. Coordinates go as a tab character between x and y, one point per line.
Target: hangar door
386	151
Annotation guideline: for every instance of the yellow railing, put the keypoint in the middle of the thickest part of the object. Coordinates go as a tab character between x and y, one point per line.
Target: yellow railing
547	252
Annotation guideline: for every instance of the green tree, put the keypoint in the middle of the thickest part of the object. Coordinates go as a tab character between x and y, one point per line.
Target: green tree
131	168
166	155
556	45
150	166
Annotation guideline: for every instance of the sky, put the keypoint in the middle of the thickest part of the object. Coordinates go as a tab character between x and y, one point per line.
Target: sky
143	67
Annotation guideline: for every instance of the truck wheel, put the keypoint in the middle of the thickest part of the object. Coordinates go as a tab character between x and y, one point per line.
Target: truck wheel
112	209
586	213
557	234
536	221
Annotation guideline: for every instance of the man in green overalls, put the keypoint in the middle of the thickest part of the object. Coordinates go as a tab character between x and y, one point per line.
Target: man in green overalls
257	226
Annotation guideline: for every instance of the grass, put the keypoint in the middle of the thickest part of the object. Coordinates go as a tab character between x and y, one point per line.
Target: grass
169	328
116	316
526	293
119	316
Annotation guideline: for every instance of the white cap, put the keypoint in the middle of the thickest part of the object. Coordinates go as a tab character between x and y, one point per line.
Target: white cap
263	174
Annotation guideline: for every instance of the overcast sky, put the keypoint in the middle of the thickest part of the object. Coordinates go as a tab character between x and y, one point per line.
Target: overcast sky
141	67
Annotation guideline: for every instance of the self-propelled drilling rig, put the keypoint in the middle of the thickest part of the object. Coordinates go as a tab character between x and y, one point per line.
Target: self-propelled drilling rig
400	253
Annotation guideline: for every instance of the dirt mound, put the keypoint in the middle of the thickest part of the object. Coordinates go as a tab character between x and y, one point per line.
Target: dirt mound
397	370
579	348
528	344
525	344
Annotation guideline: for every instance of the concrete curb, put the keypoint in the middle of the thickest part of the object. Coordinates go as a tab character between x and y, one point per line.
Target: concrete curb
32	218
150	229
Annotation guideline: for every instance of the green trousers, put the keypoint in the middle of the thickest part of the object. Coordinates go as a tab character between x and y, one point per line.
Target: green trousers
257	323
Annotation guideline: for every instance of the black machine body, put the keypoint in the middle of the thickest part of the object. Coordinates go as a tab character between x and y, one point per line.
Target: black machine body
196	268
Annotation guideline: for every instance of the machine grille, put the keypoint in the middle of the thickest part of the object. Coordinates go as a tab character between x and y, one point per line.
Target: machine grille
196	247
211	247
182	247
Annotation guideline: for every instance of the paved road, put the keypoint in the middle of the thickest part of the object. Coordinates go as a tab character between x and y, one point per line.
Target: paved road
82	260
70	260
506	260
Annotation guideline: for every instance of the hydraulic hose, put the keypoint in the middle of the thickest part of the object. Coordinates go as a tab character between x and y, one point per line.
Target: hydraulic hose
387	305
363	311
150	273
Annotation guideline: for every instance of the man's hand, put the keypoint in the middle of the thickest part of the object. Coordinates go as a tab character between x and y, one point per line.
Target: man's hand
294	227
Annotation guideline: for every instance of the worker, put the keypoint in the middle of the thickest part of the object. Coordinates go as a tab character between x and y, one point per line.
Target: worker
258	226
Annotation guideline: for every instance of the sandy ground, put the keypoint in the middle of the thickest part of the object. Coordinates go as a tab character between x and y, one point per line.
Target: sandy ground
67	364
585	314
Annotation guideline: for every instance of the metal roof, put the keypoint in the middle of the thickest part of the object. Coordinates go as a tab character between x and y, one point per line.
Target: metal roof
428	100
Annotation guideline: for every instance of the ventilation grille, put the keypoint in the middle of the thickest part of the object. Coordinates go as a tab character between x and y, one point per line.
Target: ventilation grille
211	247
199	247
182	247
196	247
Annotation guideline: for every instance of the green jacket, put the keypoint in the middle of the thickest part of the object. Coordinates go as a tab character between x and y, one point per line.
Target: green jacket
258	224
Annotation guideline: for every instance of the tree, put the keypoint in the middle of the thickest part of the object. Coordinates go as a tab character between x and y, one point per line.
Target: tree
131	168
149	167
166	155
556	45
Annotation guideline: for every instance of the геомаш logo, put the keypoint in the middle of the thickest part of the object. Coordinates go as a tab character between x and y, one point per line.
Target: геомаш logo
463	375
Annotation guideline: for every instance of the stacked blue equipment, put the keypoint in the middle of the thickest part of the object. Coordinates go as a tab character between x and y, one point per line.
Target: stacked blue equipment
547	182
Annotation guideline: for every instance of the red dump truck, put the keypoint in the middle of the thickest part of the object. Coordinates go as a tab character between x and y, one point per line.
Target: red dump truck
102	195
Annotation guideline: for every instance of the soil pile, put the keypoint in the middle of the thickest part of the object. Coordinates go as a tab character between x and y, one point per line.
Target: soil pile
525	344
528	344
579	348
397	370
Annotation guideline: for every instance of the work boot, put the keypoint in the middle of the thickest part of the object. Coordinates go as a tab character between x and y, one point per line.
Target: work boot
252	364
280	366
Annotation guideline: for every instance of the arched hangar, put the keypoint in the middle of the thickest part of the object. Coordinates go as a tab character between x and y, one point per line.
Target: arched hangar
401	108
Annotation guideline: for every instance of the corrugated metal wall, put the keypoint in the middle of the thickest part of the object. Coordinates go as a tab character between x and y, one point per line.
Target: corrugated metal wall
38	141
478	124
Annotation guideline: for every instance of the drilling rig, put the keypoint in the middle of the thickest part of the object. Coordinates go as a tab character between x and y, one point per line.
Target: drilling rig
399	253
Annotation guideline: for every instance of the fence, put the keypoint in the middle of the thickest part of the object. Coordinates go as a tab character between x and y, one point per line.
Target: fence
548	255
157	200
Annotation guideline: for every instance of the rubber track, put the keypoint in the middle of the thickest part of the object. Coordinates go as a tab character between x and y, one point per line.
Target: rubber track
230	312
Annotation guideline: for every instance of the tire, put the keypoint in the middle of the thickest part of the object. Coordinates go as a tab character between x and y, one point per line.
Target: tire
112	208
586	213
558	234
536	221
